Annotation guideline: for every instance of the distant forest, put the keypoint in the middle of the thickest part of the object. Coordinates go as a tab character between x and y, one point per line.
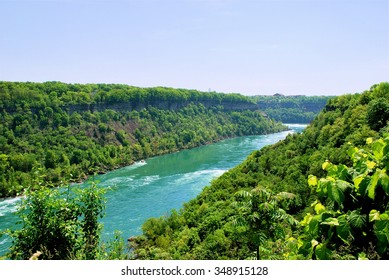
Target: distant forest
291	109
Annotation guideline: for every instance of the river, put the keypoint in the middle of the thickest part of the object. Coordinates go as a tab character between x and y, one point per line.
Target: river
157	185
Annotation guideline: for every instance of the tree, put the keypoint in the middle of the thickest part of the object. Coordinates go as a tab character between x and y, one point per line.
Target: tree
378	113
59	223
50	159
259	210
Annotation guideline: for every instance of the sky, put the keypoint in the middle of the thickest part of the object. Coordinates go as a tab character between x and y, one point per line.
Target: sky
322	47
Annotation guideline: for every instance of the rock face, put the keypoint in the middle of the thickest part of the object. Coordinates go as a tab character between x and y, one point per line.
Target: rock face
160	104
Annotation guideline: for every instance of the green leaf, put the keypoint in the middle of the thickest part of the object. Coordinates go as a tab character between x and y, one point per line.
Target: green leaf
384	216
374	215
358	180
322	252
243	194
330	222
351	151
361	182
307	219
370	164
335	193
326	165
319	208
342	172
372	185
356	219
259	238
323	185
382	233
284	196
312	180
313	227
361	167
343	230
384	181
378	149
344	185
305	247
362	257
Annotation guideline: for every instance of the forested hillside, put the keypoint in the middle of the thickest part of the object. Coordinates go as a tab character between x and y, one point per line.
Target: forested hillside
321	194
291	109
52	133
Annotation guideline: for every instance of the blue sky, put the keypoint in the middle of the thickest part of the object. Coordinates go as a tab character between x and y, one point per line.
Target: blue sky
323	47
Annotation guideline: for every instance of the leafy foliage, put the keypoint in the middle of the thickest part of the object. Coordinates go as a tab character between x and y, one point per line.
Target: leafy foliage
378	113
352	210
59	223
63	224
261	215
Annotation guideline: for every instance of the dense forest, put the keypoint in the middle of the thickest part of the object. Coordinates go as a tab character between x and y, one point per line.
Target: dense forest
321	194
291	109
52	133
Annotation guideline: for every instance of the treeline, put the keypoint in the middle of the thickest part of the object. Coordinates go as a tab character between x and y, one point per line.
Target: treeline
321	194
291	109
16	96
43	142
